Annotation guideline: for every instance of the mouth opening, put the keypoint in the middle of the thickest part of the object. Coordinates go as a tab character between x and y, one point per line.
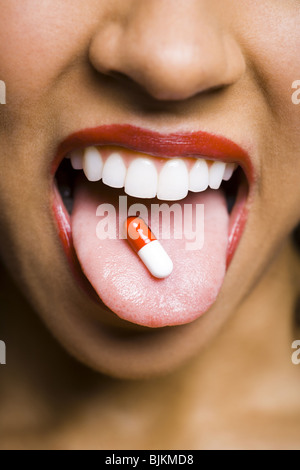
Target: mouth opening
108	269
66	177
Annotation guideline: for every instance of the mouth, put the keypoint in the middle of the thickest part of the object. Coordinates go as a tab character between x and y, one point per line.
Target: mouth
176	173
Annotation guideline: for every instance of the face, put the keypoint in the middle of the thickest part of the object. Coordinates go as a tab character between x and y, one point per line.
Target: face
165	93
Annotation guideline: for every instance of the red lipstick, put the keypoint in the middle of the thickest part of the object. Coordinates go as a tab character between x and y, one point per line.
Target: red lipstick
179	144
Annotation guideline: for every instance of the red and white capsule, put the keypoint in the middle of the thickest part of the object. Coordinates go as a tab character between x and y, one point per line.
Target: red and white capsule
144	243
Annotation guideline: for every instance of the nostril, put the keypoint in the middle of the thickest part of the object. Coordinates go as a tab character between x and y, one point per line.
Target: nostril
172	60
121	79
125	80
164	79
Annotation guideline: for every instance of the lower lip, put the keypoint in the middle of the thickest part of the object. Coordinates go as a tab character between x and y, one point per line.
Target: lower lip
237	222
63	224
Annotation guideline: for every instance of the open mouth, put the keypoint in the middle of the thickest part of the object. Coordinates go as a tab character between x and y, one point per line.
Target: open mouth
176	172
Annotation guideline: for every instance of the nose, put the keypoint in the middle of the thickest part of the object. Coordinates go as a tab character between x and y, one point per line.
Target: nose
173	49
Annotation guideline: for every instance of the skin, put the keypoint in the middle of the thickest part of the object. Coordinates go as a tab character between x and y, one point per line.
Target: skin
235	384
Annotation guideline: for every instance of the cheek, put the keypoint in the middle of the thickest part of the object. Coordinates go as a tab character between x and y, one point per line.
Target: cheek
273	50
272	44
38	42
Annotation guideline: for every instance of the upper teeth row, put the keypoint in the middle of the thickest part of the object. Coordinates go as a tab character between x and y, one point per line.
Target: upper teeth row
142	179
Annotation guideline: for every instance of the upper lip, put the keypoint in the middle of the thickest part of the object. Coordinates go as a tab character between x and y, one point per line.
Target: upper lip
177	144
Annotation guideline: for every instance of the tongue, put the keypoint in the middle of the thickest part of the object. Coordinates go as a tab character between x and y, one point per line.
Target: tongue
120	278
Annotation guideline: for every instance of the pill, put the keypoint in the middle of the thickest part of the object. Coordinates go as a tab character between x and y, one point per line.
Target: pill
148	248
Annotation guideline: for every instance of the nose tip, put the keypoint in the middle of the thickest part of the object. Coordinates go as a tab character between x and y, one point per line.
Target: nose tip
172	59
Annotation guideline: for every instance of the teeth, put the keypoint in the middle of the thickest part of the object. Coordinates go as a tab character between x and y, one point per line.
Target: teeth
92	164
173	182
76	159
141	179
230	167
216	174
199	176
114	171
